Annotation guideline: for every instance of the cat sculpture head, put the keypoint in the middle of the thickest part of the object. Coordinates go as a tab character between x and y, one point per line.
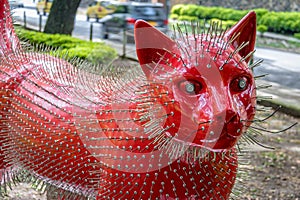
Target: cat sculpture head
207	77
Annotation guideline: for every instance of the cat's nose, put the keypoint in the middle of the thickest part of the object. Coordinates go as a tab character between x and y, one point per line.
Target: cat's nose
230	121
225	116
233	123
230	115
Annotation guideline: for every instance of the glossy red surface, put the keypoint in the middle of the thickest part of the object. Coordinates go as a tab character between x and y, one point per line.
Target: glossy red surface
215	71
168	133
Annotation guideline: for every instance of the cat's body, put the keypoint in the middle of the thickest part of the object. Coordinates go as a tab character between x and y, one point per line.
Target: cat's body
167	133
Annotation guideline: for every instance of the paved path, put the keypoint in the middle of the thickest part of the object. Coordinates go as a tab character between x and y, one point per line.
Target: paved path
283	67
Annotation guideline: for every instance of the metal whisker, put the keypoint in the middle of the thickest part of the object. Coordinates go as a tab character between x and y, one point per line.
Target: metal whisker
273	132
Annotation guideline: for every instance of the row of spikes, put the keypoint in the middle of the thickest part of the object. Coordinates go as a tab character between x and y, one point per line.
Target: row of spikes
190	170
213	34
78	118
87	85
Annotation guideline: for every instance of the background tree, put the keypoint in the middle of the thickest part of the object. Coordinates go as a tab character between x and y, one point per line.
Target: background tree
62	16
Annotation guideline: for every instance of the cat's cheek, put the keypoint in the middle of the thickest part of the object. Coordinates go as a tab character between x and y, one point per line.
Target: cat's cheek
201	111
249	103
192	117
226	143
244	110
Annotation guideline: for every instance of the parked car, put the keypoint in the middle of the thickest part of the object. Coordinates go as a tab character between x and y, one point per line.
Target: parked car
126	13
43	6
16	4
99	9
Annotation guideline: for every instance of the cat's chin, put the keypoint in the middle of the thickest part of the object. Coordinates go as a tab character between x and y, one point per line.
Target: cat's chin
221	144
226	139
215	146
197	153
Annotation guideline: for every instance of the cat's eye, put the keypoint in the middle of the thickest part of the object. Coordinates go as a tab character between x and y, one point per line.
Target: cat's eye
190	87
239	84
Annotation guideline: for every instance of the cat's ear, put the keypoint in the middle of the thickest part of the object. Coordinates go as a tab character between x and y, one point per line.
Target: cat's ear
244	31
8	39
152	46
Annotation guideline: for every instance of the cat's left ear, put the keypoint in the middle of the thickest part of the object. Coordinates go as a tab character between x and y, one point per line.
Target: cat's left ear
244	31
152	46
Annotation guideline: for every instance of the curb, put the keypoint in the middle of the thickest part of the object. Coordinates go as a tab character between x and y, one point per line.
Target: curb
283	108
279	37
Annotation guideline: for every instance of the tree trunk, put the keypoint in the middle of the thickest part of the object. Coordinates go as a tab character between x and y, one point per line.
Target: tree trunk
62	17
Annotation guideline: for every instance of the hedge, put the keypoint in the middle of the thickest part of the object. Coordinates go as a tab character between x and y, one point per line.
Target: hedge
262	28
297	35
282	22
202	12
279	22
94	52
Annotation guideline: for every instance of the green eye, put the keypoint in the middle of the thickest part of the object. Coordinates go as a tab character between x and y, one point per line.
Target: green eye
190	87
239	84
242	84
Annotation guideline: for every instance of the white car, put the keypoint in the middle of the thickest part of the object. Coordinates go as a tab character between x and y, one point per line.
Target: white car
16	4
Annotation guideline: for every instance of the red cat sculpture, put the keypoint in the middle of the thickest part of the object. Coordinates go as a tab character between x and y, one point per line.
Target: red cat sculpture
168	131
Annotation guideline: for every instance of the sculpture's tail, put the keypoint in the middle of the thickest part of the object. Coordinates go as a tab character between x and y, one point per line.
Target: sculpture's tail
9	44
8	39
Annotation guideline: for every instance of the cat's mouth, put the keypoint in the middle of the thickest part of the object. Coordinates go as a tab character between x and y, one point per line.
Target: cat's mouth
214	145
223	138
215	136
221	133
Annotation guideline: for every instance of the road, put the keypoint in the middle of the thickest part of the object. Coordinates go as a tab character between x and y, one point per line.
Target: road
283	67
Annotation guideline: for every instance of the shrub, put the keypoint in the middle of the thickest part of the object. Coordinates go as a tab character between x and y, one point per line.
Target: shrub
260	12
228	23
280	22
187	18
189	10
94	52
176	9
262	29
236	15
173	16
101	55
212	12
202	12
297	35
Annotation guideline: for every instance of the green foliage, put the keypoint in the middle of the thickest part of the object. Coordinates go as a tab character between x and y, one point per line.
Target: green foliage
262	28
236	15
280	22
228	23
101	55
176	9
230	14
173	16
203	12
209	13
187	18
189	10
95	52
297	35
260	12
225	24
